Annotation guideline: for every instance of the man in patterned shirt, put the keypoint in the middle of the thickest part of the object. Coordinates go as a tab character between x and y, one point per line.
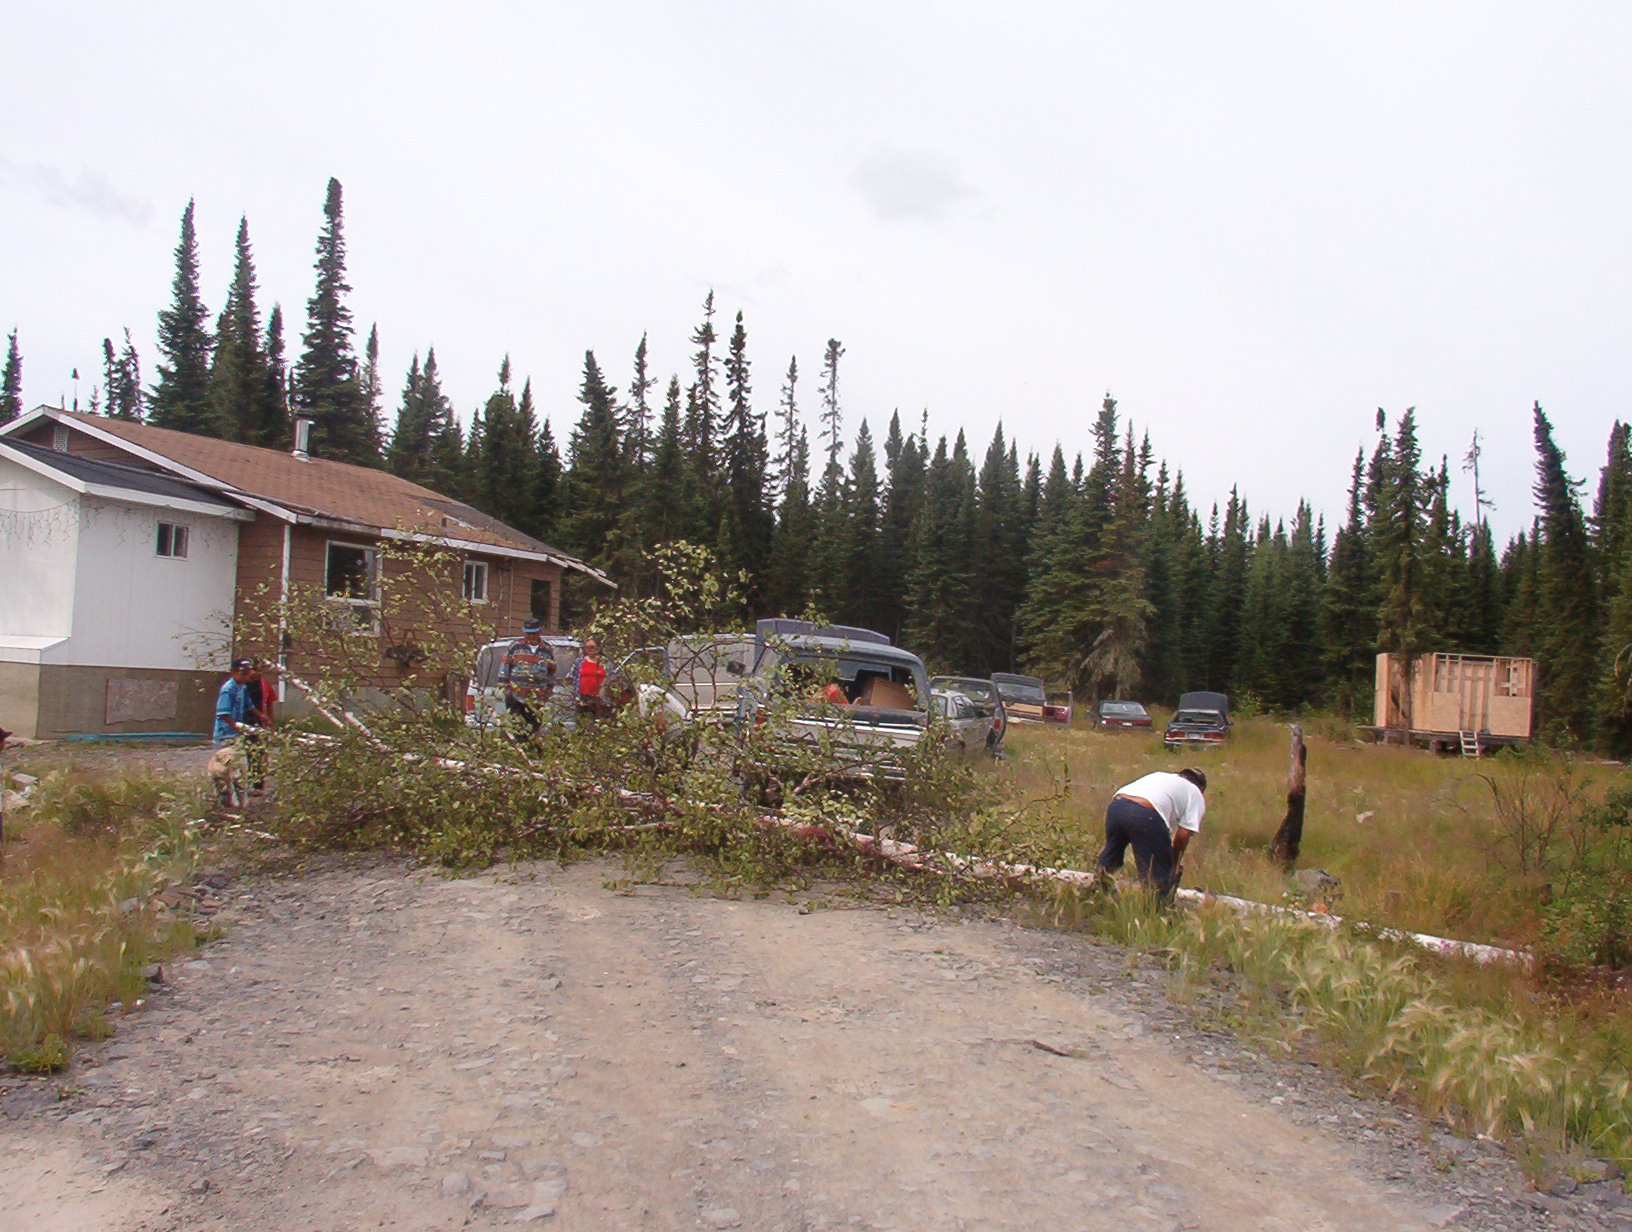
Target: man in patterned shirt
528	675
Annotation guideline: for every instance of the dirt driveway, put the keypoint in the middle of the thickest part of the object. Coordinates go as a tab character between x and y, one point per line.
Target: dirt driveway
372	1046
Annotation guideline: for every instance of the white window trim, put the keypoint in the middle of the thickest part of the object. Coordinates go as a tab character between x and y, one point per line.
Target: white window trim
358	606
486	576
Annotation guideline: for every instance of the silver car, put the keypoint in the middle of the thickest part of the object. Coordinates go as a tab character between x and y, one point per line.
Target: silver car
981	721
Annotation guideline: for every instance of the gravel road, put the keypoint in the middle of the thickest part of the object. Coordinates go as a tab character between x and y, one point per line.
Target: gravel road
375	1046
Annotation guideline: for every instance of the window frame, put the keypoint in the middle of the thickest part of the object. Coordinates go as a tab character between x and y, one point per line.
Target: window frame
476	568
164	546
364	610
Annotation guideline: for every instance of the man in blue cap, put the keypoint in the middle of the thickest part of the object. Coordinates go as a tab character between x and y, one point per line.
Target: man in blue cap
528	675
233	704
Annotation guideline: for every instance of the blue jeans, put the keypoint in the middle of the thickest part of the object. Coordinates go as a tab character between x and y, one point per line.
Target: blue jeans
1129	824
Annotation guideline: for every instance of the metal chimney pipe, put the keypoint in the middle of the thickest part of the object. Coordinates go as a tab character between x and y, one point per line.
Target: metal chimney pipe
303	438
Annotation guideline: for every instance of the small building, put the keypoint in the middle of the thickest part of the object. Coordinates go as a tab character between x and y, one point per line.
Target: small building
1454	702
132	558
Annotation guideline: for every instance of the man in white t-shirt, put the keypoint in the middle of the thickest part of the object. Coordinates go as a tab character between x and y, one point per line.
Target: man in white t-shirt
1156	816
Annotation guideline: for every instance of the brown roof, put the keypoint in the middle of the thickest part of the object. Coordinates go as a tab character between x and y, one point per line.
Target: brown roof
318	487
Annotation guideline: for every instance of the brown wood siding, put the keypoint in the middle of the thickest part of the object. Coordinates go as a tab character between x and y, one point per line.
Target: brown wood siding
83	444
260	573
426	608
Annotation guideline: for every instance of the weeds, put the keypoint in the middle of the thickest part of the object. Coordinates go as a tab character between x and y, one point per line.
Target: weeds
76	927
1392	1019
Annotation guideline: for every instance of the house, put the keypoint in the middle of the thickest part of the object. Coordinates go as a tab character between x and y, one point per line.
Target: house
133	559
1454	702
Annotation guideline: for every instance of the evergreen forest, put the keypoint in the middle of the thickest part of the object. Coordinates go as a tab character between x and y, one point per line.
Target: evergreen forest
1092	569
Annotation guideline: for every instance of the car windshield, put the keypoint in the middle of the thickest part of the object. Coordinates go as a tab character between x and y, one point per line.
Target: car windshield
1028	692
979	691
1122	710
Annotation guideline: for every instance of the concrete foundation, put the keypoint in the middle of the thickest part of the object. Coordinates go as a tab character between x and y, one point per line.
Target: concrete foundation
46	701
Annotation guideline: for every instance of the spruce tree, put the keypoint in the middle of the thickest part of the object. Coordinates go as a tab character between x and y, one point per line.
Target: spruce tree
276	429
502	456
325	385
1000	541
1567	630
827	574
941	581
667	490
181	399
546	516
594	483
1349	606
747	517
700	431
861	547
369	385
245	409
904	486
11	381
423	420
636	425
788	587
122	377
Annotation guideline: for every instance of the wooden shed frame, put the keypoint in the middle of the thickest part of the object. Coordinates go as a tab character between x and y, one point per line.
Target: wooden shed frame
1454	701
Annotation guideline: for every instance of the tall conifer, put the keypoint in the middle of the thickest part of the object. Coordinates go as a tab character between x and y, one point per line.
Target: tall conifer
181	397
325	384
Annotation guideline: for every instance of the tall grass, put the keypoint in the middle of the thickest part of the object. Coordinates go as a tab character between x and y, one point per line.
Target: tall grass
1554	1083
1413	837
78	920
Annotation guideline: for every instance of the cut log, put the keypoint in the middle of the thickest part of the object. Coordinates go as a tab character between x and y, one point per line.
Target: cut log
1289	838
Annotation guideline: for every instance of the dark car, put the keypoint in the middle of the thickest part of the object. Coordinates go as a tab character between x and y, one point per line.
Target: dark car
1202	718
1121	716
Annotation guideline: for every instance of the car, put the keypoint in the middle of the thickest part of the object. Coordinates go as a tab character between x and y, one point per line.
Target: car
1201	718
844	690
1026	701
986	701
704	671
1122	716
484	693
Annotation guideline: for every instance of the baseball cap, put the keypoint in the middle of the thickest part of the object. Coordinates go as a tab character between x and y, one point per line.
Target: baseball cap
242	665
532	626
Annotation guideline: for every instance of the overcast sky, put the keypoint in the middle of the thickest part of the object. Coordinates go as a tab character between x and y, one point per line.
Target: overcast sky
1252	223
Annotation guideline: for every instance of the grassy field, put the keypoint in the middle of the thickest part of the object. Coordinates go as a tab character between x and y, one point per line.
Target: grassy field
1415	838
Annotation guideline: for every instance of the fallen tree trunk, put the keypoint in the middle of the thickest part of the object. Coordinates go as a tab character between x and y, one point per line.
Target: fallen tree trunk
946	863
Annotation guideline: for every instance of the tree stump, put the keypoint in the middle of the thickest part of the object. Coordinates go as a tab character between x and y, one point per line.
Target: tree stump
1289	838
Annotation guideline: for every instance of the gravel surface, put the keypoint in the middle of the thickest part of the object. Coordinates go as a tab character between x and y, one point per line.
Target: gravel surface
372	1045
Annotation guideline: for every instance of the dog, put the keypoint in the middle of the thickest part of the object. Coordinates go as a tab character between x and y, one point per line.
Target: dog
228	769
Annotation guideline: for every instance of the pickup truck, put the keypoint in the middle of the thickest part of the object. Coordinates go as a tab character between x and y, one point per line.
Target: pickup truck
843	691
1027	702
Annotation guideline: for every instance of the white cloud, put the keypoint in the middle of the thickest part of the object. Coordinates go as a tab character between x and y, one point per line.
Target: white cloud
87	191
908	184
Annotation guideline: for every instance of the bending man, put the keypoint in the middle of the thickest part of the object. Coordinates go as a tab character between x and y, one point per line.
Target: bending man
1156	816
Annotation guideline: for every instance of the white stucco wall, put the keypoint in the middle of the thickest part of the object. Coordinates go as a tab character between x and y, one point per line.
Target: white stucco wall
39	542
135	608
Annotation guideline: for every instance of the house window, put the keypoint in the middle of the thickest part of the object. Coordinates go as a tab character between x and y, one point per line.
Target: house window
538	601
351	578
475	581
172	540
